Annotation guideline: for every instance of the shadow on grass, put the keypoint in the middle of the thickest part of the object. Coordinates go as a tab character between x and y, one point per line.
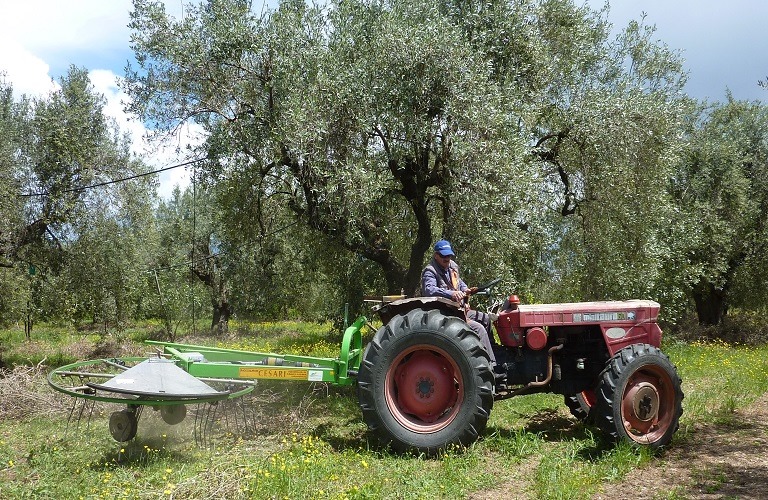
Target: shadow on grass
550	425
347	434
140	453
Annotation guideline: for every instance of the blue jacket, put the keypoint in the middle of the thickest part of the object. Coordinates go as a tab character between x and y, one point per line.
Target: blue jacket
436	280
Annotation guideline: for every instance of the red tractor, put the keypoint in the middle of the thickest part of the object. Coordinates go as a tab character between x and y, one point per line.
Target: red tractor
426	382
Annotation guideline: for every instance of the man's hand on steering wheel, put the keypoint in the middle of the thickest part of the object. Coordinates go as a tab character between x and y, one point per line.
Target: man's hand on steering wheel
459	295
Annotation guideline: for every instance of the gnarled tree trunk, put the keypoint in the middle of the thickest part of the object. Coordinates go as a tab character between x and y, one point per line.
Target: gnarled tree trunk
711	305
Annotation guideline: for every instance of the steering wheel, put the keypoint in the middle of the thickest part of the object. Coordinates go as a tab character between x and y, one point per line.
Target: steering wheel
488	285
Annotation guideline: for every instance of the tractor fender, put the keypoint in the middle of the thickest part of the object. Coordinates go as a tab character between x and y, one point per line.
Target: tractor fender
388	310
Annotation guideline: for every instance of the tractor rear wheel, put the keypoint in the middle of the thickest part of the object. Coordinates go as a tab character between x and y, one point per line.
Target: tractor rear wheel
639	398
425	383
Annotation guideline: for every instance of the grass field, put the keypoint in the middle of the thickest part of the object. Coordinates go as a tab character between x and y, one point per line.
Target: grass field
308	441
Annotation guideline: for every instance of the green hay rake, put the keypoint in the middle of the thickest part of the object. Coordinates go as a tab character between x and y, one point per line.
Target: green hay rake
179	375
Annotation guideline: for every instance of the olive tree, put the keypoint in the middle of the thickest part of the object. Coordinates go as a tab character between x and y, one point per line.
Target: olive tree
608	143
520	130
186	269
721	185
14	286
62	156
377	124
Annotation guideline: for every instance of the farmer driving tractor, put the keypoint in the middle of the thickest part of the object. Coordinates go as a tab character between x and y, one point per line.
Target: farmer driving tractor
440	278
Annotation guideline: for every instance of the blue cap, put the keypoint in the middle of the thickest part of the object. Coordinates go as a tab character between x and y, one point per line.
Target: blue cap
443	247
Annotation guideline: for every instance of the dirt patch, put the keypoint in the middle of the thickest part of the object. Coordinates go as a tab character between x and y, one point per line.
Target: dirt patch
516	488
713	461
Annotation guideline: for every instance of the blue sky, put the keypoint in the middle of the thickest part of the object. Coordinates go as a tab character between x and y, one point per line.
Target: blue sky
724	45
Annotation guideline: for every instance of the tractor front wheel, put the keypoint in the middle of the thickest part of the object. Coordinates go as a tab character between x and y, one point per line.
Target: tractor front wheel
581	404
425	383
639	398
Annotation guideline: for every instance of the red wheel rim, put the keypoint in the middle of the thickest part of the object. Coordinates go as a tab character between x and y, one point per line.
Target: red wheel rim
589	397
424	389
648	404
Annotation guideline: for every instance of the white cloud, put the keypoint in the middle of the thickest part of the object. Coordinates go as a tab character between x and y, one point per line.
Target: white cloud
157	154
37	33
172	151
48	26
26	72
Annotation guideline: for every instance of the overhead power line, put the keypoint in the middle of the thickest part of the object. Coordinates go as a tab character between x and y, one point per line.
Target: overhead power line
115	181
